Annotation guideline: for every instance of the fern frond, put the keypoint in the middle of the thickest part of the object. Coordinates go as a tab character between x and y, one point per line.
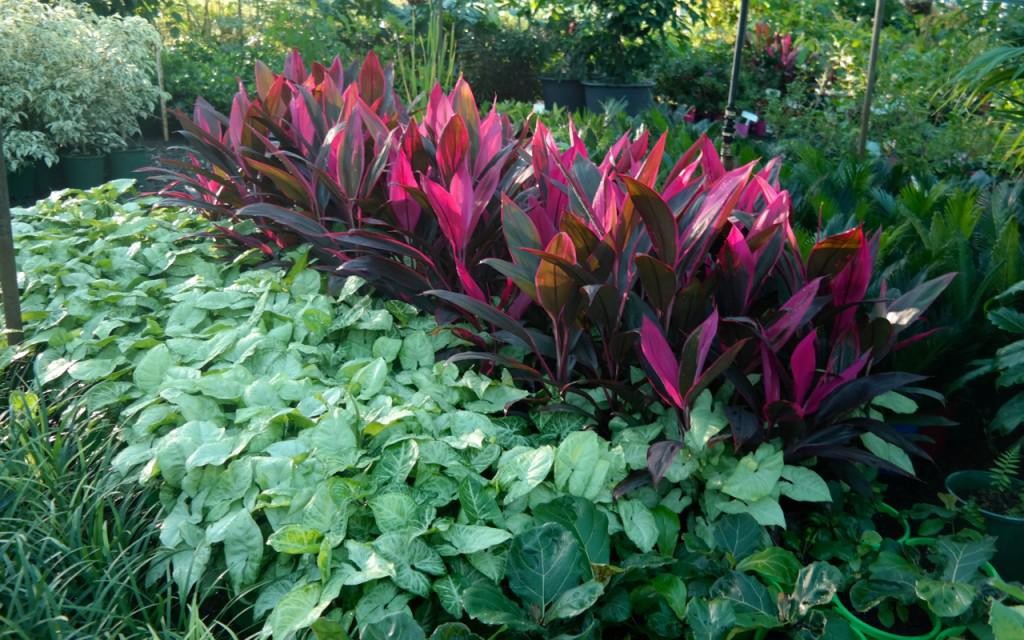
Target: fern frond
1005	469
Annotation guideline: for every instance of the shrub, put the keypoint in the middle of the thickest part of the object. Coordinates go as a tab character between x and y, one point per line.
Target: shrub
72	81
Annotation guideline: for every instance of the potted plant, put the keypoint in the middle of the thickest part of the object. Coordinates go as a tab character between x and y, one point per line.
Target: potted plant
621	40
914	589
127	161
79	83
999	496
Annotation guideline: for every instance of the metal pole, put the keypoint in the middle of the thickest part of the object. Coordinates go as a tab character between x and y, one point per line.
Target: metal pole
865	113
8	269
729	124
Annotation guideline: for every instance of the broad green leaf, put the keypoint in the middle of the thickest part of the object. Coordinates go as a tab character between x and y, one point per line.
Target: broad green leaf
575	601
815	585
739	535
453	631
298	609
585	521
449	592
673	590
804	485
579	469
964	559
295	539
639	524
486	603
150	370
396	626
888	452
92	370
394	511
521	469
776	565
467	539
895	402
478	501
755	476
752	603
1007	622
710	620
706	420
543	563
243	547
946	599
668	529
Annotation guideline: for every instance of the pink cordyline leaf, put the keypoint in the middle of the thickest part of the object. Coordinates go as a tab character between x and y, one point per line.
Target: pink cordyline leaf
710	161
294	67
464	104
647	174
303	129
776	214
372	84
803	364
490	141
239	109
714	212
469	285
336	72
795	314
452	148
658	354
770	375
738	256
850	285
439	112
405	207
827	385
264	80
706	332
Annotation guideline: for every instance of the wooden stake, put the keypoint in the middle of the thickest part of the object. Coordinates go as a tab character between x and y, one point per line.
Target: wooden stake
865	113
8	268
160	84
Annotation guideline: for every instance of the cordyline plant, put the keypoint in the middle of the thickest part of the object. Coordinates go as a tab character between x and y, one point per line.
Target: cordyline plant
328	157
572	272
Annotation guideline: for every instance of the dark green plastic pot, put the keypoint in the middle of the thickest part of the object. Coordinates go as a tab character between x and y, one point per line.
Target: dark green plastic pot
1008	530
48	179
567	94
638	96
21	184
82	171
125	162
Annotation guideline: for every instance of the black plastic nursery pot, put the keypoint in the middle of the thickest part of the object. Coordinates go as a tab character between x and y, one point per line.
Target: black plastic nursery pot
83	171
567	94
639	96
21	184
125	162
1008	530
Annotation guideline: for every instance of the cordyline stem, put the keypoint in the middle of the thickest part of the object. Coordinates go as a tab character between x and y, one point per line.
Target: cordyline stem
8	269
729	124
865	113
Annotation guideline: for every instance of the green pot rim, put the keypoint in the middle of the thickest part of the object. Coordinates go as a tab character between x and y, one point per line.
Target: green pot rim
950	479
880	634
81	156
